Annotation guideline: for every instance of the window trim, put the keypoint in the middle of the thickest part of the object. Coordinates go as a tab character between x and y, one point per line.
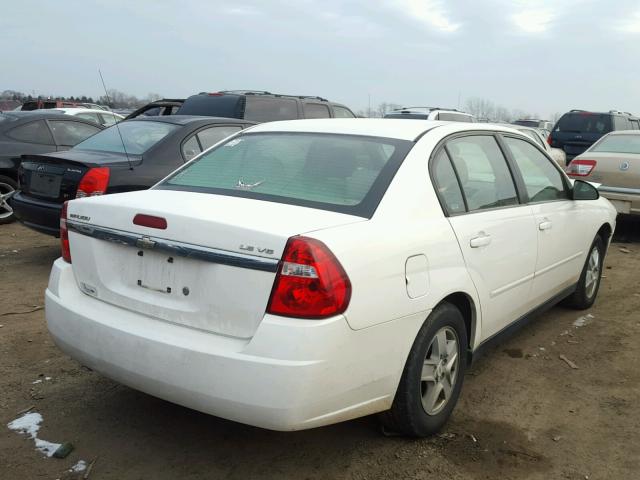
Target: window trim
520	193
511	159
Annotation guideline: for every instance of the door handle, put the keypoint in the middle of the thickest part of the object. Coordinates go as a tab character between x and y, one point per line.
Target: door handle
480	241
545	225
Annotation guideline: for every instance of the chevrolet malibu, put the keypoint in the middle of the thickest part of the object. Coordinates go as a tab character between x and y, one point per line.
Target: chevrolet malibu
304	273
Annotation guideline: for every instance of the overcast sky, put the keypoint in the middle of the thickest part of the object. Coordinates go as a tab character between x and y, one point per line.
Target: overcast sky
538	56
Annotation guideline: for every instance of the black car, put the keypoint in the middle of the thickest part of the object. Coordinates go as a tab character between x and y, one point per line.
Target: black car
259	106
131	155
577	130
166	106
33	133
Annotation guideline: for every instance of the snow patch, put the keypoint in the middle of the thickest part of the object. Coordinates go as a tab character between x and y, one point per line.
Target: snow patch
584	320
81	466
29	424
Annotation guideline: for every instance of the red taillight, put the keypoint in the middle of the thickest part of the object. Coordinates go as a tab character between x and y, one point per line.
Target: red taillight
580	168
310	282
150	221
215	94
549	141
64	234
94	182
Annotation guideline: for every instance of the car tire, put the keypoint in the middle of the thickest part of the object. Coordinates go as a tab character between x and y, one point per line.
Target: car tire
429	389
589	282
7	186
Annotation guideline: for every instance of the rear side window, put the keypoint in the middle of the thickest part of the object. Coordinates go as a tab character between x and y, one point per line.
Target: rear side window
315	110
621	123
210	136
484	175
92	117
190	148
447	184
343	173
542	179
267	109
342	112
33	132
71	133
453	117
584	122
108	119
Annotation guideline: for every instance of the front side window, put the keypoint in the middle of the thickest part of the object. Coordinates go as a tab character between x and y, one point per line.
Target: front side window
315	110
266	109
542	180
33	132
483	172
138	137
70	133
447	184
342	173
342	112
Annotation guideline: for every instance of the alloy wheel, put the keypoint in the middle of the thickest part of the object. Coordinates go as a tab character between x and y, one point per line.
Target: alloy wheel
593	272
6	192
439	371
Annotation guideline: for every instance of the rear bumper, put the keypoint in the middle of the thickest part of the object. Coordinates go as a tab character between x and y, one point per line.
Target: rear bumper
292	374
37	214
626	200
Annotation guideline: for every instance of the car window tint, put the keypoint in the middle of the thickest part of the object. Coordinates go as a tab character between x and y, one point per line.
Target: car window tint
315	110
108	119
627	143
265	109
542	180
584	122
92	117
342	112
69	133
453	117
318	170
33	132
483	172
137	135
213	135
190	148
446	183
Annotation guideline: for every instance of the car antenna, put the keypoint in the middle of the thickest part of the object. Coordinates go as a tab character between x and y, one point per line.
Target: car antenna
124	147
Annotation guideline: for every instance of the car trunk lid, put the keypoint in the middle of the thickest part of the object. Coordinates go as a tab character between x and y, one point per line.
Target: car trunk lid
55	177
211	268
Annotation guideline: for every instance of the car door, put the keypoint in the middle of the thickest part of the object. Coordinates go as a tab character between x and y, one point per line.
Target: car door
562	236
496	232
68	133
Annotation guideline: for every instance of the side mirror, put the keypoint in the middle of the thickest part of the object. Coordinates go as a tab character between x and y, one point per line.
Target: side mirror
584	191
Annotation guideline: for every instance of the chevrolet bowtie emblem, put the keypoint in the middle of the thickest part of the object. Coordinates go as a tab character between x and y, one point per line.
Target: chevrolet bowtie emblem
145	242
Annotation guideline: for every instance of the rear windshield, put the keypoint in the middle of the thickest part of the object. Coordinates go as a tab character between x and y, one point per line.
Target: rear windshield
137	136
527	123
213	105
342	173
618	144
584	123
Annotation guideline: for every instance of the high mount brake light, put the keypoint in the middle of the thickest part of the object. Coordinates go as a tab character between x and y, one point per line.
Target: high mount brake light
94	182
150	221
581	168
64	234
310	282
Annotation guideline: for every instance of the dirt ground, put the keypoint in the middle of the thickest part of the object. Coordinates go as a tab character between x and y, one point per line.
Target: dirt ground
523	414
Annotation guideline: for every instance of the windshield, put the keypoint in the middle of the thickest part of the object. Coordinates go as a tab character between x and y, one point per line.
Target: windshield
618	144
343	173
584	122
138	137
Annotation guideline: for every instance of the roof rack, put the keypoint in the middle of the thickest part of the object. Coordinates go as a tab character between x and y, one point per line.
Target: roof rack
314	97
428	108
577	110
247	92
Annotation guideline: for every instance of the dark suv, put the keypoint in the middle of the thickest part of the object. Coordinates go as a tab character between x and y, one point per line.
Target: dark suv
577	130
258	106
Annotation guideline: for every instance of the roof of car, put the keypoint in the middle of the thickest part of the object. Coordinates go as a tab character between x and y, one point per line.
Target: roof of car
72	110
186	119
624	132
374	127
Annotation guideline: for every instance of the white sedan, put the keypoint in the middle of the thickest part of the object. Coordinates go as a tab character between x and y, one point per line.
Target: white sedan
303	273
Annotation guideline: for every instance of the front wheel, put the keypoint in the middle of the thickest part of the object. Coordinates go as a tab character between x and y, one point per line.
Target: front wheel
589	282
7	189
432	377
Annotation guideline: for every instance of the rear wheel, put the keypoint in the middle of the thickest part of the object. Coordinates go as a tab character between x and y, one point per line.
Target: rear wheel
589	282
432	377
7	189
